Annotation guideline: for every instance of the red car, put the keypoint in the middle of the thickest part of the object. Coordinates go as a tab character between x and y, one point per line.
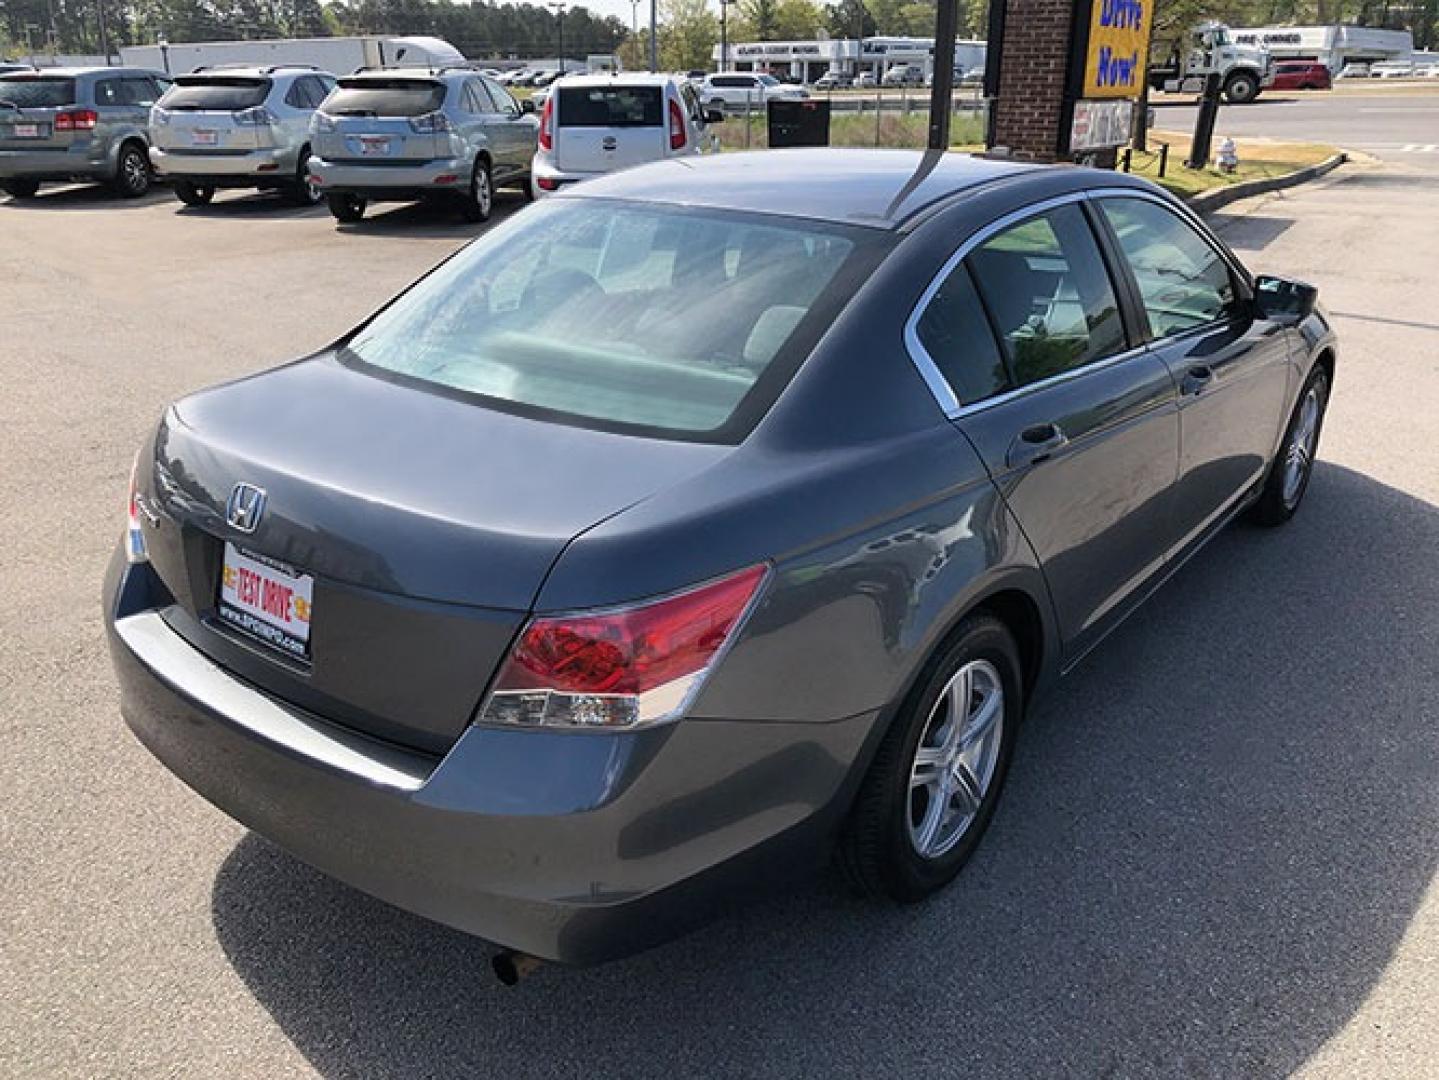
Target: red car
1301	75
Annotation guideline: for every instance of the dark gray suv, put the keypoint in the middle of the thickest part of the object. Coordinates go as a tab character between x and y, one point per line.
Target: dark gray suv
77	124
699	521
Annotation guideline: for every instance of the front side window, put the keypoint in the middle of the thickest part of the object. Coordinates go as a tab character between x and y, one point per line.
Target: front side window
1183	281
1047	290
623	315
956	334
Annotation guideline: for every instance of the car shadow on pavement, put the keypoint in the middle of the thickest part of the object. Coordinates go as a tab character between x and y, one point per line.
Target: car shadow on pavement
1215	834
85	197
430	218
1249	232
239	203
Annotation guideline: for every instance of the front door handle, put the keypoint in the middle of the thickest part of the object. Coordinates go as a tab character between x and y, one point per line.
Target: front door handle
1035	444
1196	379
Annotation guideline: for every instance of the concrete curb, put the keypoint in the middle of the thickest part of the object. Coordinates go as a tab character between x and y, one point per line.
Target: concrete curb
1206	202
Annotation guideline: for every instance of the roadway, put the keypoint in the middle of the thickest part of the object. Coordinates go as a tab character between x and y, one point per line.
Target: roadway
1216	857
1397	123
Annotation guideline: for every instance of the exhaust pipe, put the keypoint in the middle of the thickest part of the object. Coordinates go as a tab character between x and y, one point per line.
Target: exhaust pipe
510	966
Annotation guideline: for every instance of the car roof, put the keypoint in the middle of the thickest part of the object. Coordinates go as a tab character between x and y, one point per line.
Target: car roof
77	72
253	71
877	188
622	78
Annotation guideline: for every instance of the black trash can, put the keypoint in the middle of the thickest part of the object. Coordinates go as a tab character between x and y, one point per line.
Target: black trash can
798	123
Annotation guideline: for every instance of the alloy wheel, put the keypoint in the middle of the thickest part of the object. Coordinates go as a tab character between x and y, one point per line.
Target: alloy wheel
1299	455
955	761
481	192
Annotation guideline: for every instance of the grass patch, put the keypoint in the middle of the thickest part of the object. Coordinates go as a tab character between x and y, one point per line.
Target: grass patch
887	129
1258	159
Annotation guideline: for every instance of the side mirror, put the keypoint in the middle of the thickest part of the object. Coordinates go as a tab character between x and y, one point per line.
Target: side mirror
713	116
527	106
1284	300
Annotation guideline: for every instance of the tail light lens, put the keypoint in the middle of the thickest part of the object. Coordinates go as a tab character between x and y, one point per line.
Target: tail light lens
258	116
622	668
677	126
432	123
135	549
547	120
77	120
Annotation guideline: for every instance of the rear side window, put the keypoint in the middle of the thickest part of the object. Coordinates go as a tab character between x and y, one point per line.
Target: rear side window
37	93
955	333
1183	281
504	103
385	97
1045	286
216	93
610	106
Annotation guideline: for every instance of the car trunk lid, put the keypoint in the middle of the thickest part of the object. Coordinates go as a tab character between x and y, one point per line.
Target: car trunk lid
38	112
380	121
213	114
602	128
425	525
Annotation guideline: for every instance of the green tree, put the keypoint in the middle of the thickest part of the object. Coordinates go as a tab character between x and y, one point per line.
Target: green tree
762	17
849	19
797	20
688	36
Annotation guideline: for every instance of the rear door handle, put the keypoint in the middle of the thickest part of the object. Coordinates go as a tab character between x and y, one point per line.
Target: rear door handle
1196	379
1035	444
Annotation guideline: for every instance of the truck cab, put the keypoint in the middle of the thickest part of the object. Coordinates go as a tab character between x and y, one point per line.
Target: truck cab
1209	49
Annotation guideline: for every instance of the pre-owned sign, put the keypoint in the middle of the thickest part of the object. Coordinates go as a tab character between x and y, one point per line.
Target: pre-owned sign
1117	49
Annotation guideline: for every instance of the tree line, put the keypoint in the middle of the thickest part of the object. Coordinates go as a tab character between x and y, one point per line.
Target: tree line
689	29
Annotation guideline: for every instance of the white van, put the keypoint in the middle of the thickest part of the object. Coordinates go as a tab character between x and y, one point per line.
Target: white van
594	124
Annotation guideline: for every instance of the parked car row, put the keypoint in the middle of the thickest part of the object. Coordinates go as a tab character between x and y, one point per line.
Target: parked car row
383	135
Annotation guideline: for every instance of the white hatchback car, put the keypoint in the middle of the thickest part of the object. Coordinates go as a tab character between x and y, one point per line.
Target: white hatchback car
737	90
595	124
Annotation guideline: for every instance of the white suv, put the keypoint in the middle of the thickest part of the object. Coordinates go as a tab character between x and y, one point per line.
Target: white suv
594	124
245	127
734	90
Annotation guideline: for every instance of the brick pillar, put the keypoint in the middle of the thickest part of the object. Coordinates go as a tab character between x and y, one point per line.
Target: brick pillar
1034	60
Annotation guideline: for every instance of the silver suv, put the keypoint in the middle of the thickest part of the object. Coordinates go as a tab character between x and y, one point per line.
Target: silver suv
76	124
238	127
403	135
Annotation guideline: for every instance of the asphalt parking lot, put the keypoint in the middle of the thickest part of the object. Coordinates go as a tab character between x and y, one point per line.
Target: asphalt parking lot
1216	856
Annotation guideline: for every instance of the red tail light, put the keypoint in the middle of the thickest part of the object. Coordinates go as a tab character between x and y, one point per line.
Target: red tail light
135	549
77	120
547	117
622	668
677	126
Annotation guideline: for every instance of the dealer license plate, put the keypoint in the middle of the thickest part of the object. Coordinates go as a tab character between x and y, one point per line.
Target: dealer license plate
204	138
27	131
267	600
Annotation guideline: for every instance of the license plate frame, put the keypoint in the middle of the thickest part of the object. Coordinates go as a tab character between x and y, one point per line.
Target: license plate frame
374	146
266	601
28	131
204	137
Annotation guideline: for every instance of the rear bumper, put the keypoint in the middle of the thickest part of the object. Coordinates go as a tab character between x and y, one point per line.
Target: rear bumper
222	170
573	847
543	169
400	182
70	163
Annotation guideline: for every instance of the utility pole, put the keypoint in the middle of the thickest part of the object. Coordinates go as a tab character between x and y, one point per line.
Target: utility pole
104	34
724	34
941	95
559	9
654	39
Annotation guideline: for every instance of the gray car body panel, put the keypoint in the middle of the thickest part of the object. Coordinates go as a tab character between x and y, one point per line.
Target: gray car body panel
882	509
95	157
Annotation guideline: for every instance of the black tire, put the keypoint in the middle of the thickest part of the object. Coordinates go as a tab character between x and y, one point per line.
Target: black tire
132	172
1280	497
528	187
346	208
875	851
1241	88
301	192
192	194
478	201
20	189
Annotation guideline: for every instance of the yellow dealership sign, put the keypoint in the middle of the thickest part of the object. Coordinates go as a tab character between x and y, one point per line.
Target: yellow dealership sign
1117	53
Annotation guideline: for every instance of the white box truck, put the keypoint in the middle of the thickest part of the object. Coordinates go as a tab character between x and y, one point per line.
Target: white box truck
337	55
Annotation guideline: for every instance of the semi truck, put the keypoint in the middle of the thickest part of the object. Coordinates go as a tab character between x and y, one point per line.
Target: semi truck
1209	49
338	55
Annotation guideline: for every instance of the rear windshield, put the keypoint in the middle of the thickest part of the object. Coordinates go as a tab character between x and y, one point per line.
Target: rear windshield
30	92
215	93
704	315
388	97
610	106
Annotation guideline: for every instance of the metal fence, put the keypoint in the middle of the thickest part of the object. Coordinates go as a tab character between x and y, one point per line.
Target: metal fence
896	117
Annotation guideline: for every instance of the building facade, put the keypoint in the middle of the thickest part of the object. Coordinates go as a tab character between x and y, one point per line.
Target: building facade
808	60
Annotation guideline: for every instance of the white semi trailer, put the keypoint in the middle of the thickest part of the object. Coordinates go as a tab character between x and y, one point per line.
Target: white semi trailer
338	55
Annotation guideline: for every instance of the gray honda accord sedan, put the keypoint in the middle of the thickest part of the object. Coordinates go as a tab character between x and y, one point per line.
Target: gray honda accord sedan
697	524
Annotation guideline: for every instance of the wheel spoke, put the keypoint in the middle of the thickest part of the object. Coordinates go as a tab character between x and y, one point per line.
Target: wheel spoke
960	691
982	722
929	765
935	812
965	789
